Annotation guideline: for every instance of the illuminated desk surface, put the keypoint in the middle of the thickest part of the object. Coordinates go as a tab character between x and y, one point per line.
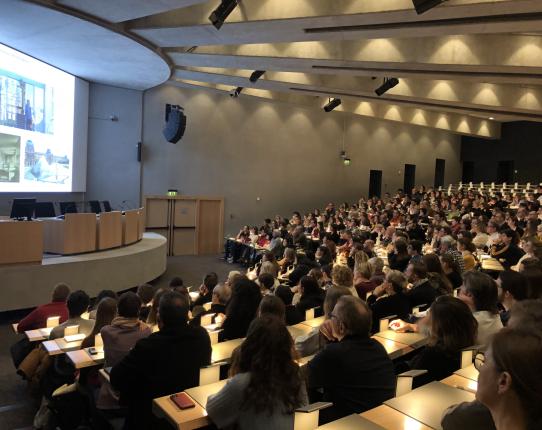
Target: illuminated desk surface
469	372
316	322
299	330
83	358
427	403
222	351
392	419
60	346
415	340
351	422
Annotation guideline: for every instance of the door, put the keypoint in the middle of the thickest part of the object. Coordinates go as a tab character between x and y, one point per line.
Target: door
410	178
468	172
375	183
440	165
505	171
210	227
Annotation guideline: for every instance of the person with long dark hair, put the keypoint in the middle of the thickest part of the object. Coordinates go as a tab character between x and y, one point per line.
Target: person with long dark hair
453	328
241	309
266	385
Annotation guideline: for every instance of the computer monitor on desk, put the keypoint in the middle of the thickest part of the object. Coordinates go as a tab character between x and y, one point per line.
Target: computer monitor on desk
23	208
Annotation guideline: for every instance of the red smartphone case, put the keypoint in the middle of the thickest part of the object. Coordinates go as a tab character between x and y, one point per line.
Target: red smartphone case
182	401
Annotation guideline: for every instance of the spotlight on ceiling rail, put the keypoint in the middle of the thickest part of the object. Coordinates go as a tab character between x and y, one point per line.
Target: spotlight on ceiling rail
422	6
257	74
219	15
388	84
235	92
332	104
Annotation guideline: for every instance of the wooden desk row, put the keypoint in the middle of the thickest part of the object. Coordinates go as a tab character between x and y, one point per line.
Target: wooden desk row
421	409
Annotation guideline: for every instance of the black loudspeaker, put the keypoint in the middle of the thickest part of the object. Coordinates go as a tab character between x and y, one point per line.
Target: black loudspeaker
175	123
139	148
422	6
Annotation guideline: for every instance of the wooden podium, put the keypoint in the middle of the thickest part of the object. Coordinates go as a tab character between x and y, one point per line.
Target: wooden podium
22	241
109	230
74	234
193	225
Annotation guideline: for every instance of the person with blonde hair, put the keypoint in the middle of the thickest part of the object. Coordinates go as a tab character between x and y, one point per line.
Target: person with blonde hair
342	276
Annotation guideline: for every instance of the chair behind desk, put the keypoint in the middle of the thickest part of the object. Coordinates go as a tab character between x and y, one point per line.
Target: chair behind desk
107	206
95	206
44	210
67	208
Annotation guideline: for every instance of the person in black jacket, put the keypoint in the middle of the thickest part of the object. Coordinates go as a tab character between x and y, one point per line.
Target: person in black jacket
395	303
166	362
302	266
312	296
507	252
206	289
399	258
292	315
422	292
355	373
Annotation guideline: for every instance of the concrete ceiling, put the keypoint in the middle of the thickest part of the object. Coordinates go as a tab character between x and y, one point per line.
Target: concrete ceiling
459	64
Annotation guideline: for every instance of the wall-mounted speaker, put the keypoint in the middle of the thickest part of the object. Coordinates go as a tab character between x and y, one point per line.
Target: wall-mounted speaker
139	149
175	123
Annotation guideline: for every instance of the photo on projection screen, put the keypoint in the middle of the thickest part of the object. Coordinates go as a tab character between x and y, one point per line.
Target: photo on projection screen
36	125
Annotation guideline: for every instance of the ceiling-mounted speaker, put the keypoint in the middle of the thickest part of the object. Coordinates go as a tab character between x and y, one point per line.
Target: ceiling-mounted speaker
175	123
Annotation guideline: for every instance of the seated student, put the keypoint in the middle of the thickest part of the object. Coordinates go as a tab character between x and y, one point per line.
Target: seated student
316	339
266	385
220	298
302	267
453	328
119	337
206	289
101	295
152	319
512	287
422	292
362	279
534	281
479	292
342	276
272	305
355	373
38	317
377	270
160	363
77	303
526	315
389	299
507	251
266	281
510	380
292	315
241	309
451	269
399	258
311	295
145	293
105	312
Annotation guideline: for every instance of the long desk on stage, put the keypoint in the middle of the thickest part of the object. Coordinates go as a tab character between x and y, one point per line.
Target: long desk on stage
25	285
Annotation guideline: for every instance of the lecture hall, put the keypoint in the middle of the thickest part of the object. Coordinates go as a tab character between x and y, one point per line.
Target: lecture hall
271	215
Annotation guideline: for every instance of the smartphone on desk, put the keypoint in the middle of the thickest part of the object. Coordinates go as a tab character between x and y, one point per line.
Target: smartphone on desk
182	400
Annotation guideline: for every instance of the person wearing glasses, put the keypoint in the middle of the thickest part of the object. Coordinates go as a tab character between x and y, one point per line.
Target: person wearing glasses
355	372
510	379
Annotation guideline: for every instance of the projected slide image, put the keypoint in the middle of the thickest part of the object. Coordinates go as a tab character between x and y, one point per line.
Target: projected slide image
43	165
10	153
26	104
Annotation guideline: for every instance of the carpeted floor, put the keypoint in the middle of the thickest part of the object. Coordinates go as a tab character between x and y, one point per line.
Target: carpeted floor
17	408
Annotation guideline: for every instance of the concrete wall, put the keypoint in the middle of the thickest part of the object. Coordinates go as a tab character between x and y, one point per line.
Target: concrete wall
520	142
267	158
113	172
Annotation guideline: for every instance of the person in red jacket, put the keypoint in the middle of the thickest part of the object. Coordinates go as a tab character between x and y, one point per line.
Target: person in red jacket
38	317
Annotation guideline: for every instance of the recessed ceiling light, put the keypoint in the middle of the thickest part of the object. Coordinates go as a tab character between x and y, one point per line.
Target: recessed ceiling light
491	118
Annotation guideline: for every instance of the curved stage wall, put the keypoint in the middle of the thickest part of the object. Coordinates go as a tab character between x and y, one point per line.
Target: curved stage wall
25	286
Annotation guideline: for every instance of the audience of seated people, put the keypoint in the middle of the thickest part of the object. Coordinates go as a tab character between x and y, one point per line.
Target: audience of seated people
330	259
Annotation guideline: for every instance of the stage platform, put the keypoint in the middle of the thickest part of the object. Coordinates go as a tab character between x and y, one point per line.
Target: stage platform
28	285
